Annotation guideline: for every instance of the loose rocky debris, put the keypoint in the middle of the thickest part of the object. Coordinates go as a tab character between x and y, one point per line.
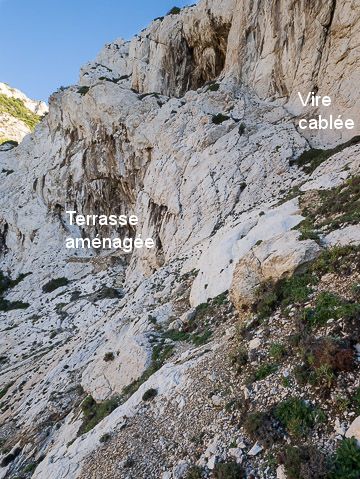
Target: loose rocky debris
146	367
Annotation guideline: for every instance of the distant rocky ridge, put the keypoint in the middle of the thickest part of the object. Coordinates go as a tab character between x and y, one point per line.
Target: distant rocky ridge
231	349
18	114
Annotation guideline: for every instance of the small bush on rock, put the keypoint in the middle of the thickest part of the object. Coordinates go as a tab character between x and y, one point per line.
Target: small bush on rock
150	394
55	284
83	90
105	438
95	412
219	118
174	11
109	357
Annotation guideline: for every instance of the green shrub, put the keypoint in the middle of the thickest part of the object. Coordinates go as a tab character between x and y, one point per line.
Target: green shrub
322	376
30	468
6	282
262	372
304	462
334	207
277	351
287	291
149	394
330	306
108	293
242	129
220	299
337	259
296	416
174	11
109	357
213	86
228	470
83	90
6	305
309	160
346	461
201	339
105	438
159	355
355	289
355	401
308	231
219	118
176	335
259	427
323	359
340	205
55	284
94	412
16	108
240	357
194	472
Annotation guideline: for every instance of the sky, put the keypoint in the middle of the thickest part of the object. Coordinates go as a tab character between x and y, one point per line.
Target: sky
45	42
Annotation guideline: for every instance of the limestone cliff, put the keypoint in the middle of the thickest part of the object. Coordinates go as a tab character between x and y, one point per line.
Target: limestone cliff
117	365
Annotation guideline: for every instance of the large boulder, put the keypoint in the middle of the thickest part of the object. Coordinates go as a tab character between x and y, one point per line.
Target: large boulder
354	430
273	259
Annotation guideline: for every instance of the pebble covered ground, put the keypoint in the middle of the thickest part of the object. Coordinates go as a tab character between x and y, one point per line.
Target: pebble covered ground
248	367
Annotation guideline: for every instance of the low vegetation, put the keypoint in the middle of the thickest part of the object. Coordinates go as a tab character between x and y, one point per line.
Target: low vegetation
194	472
297	417
298	288
262	427
332	209
346	461
219	118
109	357
174	11
83	90
149	394
213	86
7	140
311	159
54	284
228	470
262	372
304	462
94	412
16	108
6	283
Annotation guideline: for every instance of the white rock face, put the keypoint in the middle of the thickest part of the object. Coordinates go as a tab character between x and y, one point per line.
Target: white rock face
350	235
272	259
12	129
130	357
205	167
